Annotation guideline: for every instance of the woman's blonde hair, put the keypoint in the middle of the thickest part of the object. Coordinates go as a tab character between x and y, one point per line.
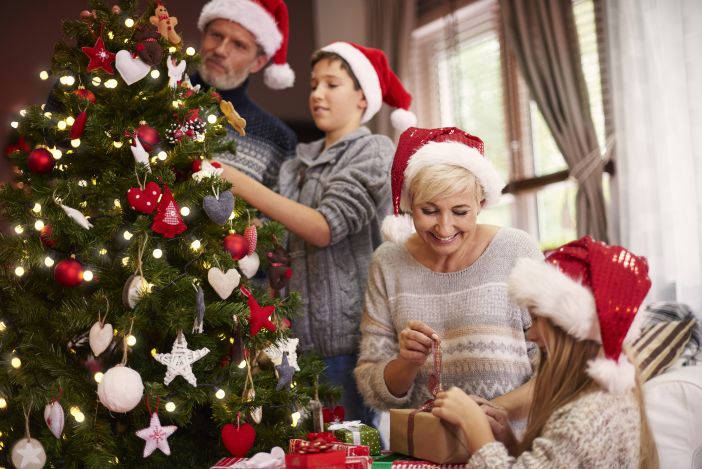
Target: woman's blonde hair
562	378
442	180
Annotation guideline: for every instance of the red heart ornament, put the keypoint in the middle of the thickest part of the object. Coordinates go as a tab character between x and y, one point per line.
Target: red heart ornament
238	441
145	200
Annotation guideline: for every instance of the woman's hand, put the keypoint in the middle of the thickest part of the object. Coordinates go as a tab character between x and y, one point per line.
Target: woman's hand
498	417
416	341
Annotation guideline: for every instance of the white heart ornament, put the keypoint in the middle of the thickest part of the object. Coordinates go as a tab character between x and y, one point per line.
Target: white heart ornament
54	418
132	69
100	337
223	283
249	264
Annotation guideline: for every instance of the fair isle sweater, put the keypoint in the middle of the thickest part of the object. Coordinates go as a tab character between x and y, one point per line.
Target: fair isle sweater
268	141
483	343
599	431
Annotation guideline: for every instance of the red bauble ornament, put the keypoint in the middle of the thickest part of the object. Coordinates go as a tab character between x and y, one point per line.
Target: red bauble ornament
40	161
236	245
238	440
68	273
79	125
197	165
148	136
85	94
45	236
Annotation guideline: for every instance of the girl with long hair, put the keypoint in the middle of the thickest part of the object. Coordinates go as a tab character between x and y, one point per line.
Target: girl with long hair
588	408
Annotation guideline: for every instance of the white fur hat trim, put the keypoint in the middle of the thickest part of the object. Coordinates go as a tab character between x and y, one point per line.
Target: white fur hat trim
365	73
397	228
456	154
250	15
547	292
617	377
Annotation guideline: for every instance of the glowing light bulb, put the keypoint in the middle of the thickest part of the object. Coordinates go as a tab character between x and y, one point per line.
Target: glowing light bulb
3	327
98	376
96	81
75	143
61	125
79	416
131	340
117	203
176	103
88	275
157	253
111	35
153	352
83	183
170	406
111	83
14	124
117	144
190	51
162	155
195	245
231	340
19	229
125	261
19	271
220	394
36	208
295	418
56	153
155	74
3	403
185	211
172	49
23	112
38	225
70	120
44	75
242	365
127	235
48	261
16	362
102	251
211	118
48	115
67	80
129	22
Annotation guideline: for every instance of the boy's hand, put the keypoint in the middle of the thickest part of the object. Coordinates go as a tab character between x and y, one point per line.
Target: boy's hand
416	341
499	424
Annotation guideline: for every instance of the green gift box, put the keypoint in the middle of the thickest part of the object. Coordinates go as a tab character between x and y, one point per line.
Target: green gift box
356	433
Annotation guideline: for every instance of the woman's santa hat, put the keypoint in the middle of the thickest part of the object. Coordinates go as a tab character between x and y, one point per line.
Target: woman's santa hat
378	82
267	20
592	291
420	148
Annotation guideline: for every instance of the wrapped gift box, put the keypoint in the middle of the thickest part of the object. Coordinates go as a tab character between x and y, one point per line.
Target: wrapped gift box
426	437
330	460
400	461
226	463
359	462
356	433
348	449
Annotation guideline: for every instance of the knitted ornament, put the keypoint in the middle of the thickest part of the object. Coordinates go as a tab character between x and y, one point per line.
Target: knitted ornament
421	148
592	291
378	82
267	20
99	57
168	221
259	315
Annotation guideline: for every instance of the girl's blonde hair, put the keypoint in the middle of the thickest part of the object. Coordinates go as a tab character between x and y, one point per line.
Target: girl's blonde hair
562	378
439	181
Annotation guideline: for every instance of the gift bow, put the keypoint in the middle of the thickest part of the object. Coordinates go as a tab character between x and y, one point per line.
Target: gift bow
274	459
354	426
327	437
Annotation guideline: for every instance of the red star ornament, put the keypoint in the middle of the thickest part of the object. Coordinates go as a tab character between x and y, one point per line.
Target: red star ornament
259	316
99	57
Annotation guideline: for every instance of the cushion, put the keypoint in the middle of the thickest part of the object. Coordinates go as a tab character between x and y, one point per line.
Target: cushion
659	346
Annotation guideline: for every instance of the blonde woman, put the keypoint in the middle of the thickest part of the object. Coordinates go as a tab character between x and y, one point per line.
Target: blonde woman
588	409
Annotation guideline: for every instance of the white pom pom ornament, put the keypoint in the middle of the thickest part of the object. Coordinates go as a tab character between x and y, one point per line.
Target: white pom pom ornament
120	389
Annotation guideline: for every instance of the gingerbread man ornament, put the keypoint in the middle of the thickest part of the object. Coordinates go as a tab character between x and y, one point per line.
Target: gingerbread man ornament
165	23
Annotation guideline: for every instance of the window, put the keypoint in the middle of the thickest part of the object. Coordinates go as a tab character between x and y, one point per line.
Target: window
464	75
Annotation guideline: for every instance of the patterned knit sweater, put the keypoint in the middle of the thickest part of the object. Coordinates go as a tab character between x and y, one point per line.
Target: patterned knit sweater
484	349
598	430
268	141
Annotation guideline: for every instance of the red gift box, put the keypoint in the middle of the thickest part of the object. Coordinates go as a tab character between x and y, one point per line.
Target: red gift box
350	450
359	462
225	463
330	460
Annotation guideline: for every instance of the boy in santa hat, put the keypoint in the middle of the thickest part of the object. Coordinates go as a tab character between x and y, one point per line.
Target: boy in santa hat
239	38
333	195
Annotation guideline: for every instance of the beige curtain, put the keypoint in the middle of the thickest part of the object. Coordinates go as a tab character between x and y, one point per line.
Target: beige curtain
390	25
543	36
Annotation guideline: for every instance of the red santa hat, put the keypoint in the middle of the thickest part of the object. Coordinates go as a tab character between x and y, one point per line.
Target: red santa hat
378	82
267	20
592	291
420	148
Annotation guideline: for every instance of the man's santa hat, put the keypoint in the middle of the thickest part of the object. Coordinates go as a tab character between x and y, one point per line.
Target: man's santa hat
267	20
420	148
592	291
378	82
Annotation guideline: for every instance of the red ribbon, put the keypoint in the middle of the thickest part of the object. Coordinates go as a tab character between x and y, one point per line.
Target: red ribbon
434	388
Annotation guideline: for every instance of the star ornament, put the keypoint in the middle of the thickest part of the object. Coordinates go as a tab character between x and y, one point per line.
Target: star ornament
260	316
156	436
285	373
180	361
28	454
99	57
284	347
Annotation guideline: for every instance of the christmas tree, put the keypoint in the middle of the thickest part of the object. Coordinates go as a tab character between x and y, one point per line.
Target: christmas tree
130	327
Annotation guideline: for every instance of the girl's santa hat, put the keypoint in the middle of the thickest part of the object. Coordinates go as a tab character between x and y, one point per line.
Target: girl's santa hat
267	20
592	291
420	148
378	82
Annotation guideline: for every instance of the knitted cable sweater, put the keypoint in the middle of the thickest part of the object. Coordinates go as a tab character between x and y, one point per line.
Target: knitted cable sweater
483	343
598	430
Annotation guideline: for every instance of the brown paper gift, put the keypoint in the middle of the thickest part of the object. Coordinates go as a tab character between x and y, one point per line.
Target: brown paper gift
431	439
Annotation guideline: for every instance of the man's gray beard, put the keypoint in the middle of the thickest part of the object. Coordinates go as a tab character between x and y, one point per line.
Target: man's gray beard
222	82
